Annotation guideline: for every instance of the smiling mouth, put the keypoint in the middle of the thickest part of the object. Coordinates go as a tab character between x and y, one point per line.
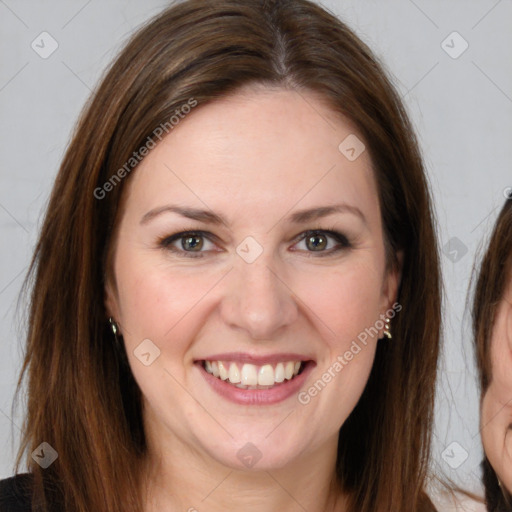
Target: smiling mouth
250	376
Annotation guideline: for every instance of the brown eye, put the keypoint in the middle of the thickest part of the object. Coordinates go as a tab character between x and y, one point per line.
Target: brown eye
323	242
192	243
316	242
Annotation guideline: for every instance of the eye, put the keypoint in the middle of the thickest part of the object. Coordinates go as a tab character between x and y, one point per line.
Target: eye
194	244
323	242
188	243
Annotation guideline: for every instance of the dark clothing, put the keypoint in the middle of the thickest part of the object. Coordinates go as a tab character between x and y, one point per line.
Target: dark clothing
498	500
16	493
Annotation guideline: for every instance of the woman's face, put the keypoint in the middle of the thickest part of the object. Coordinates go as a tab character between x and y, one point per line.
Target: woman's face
497	402
248	176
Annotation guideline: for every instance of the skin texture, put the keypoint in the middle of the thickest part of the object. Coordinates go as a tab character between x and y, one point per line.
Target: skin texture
254	158
497	402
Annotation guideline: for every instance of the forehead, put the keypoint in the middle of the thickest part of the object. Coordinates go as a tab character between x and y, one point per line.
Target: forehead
501	340
259	149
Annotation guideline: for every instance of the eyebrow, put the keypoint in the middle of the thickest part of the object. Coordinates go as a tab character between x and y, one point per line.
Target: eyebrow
209	217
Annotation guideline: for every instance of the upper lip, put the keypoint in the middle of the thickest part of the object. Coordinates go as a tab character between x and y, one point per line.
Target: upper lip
255	359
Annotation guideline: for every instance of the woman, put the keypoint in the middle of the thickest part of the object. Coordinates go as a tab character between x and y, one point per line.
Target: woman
225	308
492	327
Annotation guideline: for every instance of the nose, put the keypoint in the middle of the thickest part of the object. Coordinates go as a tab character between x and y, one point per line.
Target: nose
258	301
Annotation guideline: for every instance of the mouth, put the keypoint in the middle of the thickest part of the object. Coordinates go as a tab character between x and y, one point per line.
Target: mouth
256	382
251	376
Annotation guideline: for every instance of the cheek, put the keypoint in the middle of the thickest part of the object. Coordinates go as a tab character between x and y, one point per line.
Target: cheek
501	350
508	328
346	306
496	434
347	300
508	451
154	298
489	427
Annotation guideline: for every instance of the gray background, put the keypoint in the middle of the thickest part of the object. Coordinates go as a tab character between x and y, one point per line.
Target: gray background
461	108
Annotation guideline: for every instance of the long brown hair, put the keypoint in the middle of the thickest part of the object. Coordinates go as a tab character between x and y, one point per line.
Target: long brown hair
494	276
82	397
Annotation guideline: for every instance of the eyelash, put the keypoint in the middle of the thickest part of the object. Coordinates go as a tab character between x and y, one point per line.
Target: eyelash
341	239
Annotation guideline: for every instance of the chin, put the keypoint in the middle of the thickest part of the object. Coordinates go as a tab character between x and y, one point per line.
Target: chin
254	453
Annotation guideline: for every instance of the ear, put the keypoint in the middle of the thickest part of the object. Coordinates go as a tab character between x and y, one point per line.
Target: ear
391	283
110	299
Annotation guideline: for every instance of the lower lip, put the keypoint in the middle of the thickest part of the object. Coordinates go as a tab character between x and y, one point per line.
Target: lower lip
257	396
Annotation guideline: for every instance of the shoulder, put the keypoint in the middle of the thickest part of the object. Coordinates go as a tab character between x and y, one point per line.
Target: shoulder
16	493
458	502
469	505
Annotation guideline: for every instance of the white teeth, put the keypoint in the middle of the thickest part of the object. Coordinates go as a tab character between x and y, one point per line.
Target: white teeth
252	376
288	370
223	372
279	377
266	375
234	374
249	375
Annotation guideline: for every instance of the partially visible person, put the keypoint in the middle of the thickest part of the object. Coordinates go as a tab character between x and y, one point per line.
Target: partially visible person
492	328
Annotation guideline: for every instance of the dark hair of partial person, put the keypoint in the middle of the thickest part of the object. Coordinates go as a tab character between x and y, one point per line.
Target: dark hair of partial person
494	275
82	397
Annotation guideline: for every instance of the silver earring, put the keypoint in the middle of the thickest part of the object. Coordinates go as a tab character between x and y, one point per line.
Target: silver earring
387	329
114	327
